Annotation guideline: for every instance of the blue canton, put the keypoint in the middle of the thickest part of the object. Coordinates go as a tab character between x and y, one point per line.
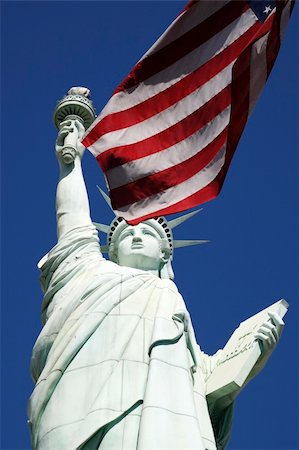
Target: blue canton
261	8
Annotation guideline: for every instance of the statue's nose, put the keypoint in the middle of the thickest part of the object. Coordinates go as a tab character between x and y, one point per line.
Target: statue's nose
136	239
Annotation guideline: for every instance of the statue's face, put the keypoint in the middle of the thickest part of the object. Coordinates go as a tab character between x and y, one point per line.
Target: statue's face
139	247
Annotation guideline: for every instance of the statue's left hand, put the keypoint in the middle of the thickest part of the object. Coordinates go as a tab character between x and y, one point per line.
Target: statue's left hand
267	336
269	332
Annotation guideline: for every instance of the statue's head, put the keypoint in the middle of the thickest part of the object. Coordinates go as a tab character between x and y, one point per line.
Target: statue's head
146	246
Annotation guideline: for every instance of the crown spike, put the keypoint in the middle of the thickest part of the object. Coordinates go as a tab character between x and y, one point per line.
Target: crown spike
106	197
175	222
178	243
101	227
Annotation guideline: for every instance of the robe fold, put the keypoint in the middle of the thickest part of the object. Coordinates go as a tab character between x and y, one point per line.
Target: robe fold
117	366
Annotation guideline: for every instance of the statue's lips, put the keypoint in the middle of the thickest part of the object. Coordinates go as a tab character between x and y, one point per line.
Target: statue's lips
136	246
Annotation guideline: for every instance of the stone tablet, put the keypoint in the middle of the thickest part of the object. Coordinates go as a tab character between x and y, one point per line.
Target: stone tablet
240	354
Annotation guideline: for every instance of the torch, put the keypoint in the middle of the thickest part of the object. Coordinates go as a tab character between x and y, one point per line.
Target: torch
75	105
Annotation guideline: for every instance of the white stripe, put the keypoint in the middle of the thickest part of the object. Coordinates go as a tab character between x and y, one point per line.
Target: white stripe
175	193
180	69
258	70
170	157
284	19
166	118
187	64
189	19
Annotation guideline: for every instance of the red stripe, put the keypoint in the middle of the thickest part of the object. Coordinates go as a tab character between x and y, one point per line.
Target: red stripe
239	114
189	4
208	193
173	94
240	96
176	133
203	195
273	43
183	45
165	179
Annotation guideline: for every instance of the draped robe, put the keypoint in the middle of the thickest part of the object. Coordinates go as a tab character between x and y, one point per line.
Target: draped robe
116	365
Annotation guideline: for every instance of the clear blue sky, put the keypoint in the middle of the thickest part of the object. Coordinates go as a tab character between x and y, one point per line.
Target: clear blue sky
252	259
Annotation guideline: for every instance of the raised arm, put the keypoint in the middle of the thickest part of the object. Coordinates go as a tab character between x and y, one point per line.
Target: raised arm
72	205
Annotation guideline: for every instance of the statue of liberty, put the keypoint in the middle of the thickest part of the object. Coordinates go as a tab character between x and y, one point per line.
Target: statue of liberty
117	365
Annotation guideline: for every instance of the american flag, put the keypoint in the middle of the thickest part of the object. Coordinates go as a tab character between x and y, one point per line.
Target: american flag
167	135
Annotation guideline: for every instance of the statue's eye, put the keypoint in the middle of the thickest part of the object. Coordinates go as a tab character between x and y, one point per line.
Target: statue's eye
148	232
126	234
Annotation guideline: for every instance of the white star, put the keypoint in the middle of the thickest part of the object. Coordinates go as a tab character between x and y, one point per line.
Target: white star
267	9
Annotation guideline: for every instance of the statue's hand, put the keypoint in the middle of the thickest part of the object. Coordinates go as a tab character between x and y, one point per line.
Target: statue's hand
68	144
267	336
269	333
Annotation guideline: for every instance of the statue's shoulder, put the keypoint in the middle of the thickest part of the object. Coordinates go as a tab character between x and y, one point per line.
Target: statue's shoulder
78	240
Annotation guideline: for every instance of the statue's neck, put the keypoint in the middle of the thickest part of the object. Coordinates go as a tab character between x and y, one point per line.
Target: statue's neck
155	272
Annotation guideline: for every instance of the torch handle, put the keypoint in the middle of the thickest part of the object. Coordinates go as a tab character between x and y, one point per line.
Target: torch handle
74	106
69	149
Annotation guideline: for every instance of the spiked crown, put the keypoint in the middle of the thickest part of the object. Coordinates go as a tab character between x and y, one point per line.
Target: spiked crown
160	224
